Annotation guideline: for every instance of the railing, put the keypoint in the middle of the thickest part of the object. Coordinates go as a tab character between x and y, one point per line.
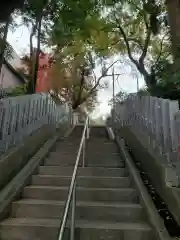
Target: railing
20	116
154	119
72	189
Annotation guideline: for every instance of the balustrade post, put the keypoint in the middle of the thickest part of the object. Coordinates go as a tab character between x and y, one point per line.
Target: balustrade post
87	130
72	231
83	153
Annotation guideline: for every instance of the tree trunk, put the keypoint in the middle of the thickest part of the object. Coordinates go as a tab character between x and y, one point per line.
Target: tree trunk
75	105
173	9
34	57
148	77
36	66
30	86
3	45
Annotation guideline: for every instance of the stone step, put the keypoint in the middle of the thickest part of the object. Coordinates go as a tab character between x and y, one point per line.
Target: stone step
98	132
86	171
88	154
95	161
68	140
101	140
83	194
98	211
73	153
64	152
107	207
91	141
46	229
92	182
111	161
95	146
101	144
68	143
61	160
105	164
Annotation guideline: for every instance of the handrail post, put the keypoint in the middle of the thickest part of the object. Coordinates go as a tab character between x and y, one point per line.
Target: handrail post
72	233
87	130
83	156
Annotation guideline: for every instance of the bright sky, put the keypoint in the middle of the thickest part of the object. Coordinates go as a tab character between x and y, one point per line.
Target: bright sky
20	42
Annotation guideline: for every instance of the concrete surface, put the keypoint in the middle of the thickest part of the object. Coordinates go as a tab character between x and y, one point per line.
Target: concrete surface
156	171
105	209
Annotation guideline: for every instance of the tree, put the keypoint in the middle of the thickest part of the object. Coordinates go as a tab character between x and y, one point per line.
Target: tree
119	97
5	48
77	46
74	81
49	18
167	85
7	7
171	18
3	38
37	15
173	9
130	28
133	34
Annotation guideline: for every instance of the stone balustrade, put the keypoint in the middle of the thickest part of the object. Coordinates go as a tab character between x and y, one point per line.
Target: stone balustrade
155	118
20	116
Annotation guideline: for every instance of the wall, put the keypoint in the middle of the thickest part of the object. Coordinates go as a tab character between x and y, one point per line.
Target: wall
160	174
120	110
8	79
15	159
20	116
152	131
43	81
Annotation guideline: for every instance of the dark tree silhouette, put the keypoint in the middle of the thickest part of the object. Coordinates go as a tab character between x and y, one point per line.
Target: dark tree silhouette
7	7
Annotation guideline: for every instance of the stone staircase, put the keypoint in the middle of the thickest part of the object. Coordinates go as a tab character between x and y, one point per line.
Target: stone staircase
108	206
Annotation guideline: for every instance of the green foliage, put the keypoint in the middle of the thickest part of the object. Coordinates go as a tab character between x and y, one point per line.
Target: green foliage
17	91
132	28
8	51
143	92
167	81
5	48
119	97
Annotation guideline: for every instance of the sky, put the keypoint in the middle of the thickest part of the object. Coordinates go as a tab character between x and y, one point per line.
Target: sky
19	39
125	82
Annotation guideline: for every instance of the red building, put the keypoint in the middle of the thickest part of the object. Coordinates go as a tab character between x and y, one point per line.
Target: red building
42	81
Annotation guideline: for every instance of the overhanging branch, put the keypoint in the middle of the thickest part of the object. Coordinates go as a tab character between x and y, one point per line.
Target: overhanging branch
125	40
130	39
160	52
94	88
146	45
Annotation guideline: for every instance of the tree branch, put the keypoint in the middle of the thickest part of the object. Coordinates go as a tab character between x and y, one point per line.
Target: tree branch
94	88
126	41
99	79
146	45
94	75
136	41
147	40
141	11
160	52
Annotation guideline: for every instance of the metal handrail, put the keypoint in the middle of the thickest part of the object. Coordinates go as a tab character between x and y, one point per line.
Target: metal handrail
72	188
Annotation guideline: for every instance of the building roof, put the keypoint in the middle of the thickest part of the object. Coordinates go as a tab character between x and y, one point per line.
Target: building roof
15	72
13	63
